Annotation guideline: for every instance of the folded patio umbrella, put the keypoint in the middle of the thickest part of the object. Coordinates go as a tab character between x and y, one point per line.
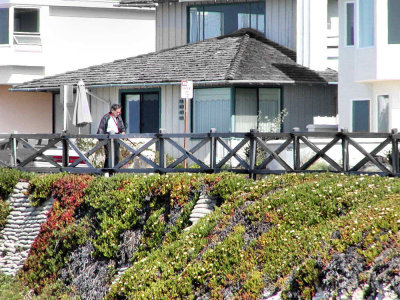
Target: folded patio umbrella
81	116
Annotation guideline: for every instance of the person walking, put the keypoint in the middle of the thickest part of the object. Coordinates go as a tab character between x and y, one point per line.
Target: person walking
112	123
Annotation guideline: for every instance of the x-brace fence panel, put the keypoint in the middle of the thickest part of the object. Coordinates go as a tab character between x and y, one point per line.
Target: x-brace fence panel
249	152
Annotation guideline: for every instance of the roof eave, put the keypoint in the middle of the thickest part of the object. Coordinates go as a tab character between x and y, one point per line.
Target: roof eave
159	84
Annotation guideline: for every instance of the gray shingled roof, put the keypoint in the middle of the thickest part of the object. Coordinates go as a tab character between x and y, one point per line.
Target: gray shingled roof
136	3
153	2
244	56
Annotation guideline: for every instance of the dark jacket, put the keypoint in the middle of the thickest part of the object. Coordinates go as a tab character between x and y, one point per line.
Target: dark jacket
103	124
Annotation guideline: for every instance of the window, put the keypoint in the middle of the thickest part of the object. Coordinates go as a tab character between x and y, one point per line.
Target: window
26	26
212	109
141	111
366	23
269	109
361	116
26	20
209	21
246	109
253	108
4	26
350	24
393	21
383	113
257	108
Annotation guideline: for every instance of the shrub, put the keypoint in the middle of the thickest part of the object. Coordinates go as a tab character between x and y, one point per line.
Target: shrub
41	187
59	235
11	289
120	201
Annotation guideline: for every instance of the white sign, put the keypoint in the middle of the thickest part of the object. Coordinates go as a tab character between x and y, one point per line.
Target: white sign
186	89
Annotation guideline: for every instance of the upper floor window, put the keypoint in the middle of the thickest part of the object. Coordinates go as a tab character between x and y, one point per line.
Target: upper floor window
4	26
350	24
393	21
366	23
26	26
207	21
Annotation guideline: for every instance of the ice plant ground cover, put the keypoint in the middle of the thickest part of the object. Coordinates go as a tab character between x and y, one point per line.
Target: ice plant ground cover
296	234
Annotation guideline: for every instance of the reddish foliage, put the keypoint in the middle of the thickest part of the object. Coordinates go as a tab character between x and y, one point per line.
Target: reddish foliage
68	195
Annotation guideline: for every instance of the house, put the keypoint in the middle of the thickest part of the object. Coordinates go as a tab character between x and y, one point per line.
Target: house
248	62
242	81
40	38
369	71
297	33
308	27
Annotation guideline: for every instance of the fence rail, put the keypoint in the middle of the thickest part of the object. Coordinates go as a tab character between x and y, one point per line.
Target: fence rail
253	152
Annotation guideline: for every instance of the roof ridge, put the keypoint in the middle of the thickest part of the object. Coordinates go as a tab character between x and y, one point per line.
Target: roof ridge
230	74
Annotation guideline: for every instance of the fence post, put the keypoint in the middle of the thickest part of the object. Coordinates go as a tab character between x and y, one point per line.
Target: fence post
345	150
296	149
112	153
213	149
252	153
13	151
395	152
65	151
162	155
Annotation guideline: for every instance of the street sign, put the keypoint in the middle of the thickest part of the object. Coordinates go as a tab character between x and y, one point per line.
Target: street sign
186	89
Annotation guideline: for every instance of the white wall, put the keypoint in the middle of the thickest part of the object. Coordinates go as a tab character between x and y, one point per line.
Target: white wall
388	64
312	33
76	34
355	65
392	89
366	73
80	37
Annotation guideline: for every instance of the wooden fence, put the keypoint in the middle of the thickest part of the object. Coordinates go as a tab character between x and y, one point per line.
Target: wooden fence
28	152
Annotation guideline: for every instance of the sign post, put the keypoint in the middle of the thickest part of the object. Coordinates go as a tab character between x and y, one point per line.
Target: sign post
186	93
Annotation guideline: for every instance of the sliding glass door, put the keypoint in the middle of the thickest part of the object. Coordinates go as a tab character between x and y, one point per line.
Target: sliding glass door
141	112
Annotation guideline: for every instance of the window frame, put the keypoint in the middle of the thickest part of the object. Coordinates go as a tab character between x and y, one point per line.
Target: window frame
369	113
359	27
280	104
7	21
38	21
122	102
192	110
31	38
233	104
354	24
389	18
188	19
387	96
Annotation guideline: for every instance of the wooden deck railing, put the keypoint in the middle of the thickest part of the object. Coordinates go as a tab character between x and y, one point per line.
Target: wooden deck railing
18	151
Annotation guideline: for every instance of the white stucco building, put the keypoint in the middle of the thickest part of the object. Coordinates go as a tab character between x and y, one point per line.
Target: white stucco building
369	70
45	37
